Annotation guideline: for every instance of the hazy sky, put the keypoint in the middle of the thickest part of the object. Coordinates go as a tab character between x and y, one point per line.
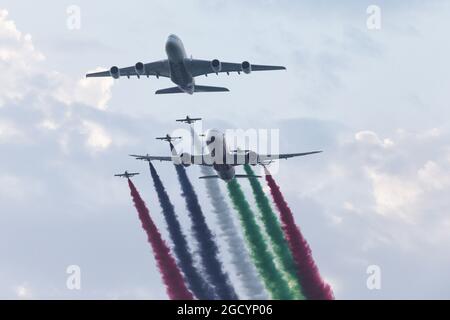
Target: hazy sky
376	102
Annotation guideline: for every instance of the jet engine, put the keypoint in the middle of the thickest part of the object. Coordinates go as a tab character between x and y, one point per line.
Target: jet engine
140	68
114	72
252	158
216	65
246	67
185	159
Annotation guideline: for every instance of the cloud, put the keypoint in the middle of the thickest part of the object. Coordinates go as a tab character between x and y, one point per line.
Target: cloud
23	291
97	138
24	74
394	195
433	176
17	58
370	137
90	92
9	133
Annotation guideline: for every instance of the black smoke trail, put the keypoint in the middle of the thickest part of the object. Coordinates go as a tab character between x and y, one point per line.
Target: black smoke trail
207	245
195	282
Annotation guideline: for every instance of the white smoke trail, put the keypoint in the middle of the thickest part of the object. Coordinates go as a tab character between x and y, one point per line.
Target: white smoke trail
244	268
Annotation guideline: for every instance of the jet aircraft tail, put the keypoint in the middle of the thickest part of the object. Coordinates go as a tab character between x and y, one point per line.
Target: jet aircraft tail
169	90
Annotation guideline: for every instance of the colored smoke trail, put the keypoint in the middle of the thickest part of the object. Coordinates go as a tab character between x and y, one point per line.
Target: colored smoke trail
239	254
172	278
240	258
260	253
208	249
276	236
195	282
313	286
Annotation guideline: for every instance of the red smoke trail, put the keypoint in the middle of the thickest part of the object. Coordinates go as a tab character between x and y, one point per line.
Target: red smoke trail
173	280
313	286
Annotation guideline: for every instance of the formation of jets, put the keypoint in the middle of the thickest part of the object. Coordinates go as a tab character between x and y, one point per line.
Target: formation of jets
182	70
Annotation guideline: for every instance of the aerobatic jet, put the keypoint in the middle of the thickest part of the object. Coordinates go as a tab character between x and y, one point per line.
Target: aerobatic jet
182	70
126	174
168	138
220	158
188	120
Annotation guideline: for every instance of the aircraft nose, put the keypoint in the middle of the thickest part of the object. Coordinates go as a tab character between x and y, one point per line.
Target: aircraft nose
171	42
172	37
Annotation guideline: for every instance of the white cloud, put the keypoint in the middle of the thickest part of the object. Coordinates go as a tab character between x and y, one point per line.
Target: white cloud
17	58
433	176
23	291
97	138
9	133
91	92
394	195
21	64
48	124
370	137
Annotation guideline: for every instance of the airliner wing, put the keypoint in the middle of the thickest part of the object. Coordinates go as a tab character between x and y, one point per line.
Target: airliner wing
203	67
151	158
157	68
269	157
195	159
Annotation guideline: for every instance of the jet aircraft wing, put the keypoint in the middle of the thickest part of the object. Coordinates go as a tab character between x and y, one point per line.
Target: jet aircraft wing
151	158
268	157
194	159
203	67
157	68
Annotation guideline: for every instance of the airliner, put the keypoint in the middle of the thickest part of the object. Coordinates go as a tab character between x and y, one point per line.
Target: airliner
220	158
182	70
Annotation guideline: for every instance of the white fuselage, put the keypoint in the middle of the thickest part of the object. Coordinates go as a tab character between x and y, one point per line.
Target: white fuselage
215	141
179	73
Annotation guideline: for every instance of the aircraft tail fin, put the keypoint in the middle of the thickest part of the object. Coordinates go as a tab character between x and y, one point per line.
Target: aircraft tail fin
209	89
169	90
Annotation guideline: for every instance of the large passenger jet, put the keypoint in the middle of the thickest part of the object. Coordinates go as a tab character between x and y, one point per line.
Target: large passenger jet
220	158
182	70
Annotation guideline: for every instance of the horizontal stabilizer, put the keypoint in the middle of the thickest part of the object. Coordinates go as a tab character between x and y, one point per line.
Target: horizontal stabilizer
169	90
209	89
246	176
209	177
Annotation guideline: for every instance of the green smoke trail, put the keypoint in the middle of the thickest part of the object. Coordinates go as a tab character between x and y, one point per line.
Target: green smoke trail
262	257
276	235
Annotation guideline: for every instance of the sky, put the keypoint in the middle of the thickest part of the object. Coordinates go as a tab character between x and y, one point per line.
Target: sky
375	101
